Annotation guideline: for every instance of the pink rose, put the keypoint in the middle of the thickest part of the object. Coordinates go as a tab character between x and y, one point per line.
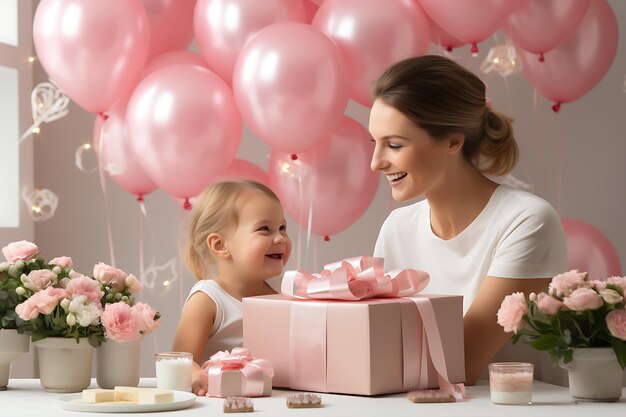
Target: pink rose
619	282
133	284
611	296
562	285
43	302
599	285
120	323
86	286
583	299
148	317
39	279
511	312
109	275
62	261
616	322
20	251
548	304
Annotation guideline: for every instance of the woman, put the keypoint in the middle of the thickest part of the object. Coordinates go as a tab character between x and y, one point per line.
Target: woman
436	136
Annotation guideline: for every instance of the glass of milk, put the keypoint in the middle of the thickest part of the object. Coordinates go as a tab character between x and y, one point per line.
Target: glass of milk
173	370
511	382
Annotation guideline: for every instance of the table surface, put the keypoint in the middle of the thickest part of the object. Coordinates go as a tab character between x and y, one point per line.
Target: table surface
26	397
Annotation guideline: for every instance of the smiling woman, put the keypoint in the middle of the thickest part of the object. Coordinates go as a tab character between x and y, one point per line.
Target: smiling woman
436	137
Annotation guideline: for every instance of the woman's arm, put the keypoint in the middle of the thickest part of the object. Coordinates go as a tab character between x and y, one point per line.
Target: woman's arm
483	335
193	331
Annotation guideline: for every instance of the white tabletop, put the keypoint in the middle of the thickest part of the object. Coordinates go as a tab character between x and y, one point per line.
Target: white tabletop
26	397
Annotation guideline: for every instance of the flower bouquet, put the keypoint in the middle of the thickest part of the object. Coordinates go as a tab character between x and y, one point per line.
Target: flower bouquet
574	318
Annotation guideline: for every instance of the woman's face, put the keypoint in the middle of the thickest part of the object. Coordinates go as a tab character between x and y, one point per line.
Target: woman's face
413	162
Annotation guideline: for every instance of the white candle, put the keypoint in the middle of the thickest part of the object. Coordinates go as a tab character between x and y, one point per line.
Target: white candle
174	370
511	383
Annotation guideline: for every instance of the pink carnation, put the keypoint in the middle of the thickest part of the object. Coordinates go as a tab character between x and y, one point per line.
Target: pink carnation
20	251
583	299
39	279
616	322
133	284
109	275
85	286
511	312
120	322
62	261
619	282
43	302
562	285
147	315
548	304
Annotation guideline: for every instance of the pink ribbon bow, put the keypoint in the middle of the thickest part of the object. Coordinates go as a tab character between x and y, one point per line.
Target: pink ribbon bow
239	359
356	278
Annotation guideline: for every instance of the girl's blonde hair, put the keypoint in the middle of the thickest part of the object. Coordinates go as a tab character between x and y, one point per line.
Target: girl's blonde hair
443	98
217	210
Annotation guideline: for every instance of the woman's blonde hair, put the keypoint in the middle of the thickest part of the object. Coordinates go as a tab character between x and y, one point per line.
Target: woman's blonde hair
217	210
443	98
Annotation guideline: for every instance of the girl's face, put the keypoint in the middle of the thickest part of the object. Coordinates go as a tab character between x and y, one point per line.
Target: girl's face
259	246
413	162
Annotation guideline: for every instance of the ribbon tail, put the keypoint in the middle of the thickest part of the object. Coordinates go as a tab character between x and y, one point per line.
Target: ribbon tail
435	347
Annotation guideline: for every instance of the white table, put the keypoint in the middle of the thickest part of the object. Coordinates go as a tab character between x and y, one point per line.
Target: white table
26	397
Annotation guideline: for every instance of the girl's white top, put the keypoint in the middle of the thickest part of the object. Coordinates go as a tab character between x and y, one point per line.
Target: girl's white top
227	331
517	235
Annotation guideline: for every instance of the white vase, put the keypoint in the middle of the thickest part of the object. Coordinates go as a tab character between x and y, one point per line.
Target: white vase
118	364
12	346
64	364
594	375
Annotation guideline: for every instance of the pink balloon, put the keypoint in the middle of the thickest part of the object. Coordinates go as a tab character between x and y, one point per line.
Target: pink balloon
185	127
310	8
528	22
173	58
333	179
441	37
589	250
244	170
578	64
223	27
171	24
290	86
470	21
117	157
93	50
372	37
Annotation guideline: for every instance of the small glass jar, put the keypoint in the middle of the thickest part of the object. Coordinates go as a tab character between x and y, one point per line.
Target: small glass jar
511	383
174	370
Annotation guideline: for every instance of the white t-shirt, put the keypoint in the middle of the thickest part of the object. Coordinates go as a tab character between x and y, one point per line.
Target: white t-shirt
517	235
227	331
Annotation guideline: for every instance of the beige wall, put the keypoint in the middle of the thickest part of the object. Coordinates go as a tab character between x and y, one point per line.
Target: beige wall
586	138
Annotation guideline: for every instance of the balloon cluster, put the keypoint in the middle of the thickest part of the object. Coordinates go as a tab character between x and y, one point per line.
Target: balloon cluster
287	68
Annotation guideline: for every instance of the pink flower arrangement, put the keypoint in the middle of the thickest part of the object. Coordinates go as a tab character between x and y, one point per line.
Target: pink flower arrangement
575	312
52	299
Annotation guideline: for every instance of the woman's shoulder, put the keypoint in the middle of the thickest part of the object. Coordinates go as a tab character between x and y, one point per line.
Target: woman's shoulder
515	200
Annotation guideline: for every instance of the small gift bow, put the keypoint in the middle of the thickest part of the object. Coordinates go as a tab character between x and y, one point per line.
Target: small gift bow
354	279
239	359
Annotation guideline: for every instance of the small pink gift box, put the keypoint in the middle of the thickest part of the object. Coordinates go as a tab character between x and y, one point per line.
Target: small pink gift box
365	347
237	374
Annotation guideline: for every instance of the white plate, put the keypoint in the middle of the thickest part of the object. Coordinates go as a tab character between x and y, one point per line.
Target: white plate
72	402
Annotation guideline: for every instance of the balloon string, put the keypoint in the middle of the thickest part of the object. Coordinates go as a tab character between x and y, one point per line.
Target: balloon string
142	215
299	249
107	214
309	226
560	141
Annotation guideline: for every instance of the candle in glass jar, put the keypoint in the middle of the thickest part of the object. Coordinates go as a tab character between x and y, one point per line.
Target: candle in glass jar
511	382
174	370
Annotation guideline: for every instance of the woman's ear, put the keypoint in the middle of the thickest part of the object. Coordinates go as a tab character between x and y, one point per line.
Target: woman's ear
455	143
217	245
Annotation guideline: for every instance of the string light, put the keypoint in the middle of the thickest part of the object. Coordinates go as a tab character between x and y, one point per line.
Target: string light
36	130
32	59
42	203
48	103
166	283
85	158
503	60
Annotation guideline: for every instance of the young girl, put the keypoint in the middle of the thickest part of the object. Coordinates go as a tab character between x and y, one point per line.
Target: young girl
237	239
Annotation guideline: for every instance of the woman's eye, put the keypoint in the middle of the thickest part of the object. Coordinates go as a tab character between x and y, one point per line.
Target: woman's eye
394	146
283	228
264	229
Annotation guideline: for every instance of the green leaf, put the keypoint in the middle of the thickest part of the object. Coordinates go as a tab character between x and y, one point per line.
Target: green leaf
39	334
546	342
619	347
4	295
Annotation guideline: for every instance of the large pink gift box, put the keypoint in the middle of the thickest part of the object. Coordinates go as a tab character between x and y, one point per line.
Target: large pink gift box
367	347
